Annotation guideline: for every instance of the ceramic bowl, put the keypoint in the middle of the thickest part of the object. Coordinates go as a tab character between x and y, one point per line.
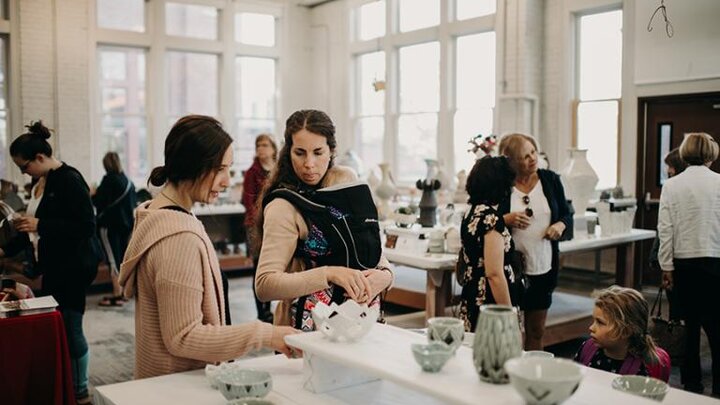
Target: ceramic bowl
235	383
403	220
537	353
347	322
432	356
646	387
212	372
544	380
445	329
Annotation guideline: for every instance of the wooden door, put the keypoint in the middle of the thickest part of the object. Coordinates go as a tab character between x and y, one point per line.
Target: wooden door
663	123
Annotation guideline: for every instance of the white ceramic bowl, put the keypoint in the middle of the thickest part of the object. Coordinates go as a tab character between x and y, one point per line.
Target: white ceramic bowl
347	322
249	401
646	387
237	383
542	380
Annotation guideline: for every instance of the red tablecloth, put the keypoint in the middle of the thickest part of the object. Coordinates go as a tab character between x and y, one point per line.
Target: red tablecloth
34	361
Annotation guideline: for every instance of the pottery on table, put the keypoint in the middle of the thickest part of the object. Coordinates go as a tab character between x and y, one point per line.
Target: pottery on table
249	401
497	339
432	356
347	322
544	380
385	190
646	387
579	179
213	371
450	331
537	353
237	383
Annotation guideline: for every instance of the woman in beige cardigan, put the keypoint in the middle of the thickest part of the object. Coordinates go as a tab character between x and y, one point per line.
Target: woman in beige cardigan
305	164
171	268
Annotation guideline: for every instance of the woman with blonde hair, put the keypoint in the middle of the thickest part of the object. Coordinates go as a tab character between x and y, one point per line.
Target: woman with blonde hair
539	217
689	253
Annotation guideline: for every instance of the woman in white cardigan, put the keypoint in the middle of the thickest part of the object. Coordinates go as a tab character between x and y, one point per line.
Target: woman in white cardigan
689	255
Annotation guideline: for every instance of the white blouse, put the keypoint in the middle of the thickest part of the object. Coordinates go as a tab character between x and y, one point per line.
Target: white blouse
30	211
531	240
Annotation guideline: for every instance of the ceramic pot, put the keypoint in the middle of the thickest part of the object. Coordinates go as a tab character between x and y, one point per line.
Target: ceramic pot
385	190
461	195
497	339
579	180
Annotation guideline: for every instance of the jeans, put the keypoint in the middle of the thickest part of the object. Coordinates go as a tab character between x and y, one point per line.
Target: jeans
79	353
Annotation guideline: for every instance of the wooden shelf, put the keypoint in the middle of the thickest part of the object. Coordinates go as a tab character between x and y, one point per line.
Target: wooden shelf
234	262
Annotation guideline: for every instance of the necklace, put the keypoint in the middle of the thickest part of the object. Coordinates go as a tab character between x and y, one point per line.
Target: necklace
168	197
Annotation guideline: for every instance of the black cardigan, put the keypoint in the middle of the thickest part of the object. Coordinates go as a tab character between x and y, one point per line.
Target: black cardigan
560	210
119	217
67	253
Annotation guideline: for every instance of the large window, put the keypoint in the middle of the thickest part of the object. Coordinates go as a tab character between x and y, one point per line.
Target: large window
599	67
425	87
216	58
123	116
4	156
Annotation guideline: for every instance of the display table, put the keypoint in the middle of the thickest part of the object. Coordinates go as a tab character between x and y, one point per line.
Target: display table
34	361
384	352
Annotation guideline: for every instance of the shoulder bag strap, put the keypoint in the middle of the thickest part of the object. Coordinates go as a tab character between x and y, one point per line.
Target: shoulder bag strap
631	365
117	201
587	352
657	304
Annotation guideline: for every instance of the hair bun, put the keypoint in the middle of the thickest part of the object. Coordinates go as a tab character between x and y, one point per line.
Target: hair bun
38	129
158	176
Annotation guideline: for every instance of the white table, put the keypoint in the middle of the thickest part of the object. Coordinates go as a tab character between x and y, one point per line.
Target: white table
439	266
222	209
385	353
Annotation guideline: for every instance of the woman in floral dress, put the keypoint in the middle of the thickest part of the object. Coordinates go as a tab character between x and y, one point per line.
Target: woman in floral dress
488	277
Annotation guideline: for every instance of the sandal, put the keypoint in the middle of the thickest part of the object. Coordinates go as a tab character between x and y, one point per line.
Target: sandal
111	302
115	297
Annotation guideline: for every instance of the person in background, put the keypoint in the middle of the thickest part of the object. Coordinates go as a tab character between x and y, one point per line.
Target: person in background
171	267
619	340
65	224
539	217
487	276
675	166
115	201
689	253
305	164
255	177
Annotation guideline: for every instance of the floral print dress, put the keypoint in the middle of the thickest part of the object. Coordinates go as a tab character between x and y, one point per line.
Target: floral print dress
478	221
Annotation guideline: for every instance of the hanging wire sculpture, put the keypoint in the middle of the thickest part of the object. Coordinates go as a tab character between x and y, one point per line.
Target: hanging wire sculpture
668	25
482	145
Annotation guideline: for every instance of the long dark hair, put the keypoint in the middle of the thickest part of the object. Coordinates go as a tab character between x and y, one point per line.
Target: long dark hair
283	174
29	144
111	163
490	181
193	148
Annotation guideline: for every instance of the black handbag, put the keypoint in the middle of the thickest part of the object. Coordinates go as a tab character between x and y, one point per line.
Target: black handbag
522	282
667	334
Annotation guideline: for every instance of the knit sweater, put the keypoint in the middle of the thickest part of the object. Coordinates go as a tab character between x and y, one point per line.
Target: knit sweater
171	269
281	275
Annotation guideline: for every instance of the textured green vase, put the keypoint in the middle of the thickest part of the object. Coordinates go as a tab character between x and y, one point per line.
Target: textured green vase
497	339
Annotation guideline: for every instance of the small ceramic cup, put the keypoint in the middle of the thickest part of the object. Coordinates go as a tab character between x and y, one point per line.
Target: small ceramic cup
432	356
450	331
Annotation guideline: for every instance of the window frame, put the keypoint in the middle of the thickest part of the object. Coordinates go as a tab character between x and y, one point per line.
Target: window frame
445	34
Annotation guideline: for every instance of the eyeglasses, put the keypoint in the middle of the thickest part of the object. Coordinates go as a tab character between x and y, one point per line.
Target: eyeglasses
526	201
23	167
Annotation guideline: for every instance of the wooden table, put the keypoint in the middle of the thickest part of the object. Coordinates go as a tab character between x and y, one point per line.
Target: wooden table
439	266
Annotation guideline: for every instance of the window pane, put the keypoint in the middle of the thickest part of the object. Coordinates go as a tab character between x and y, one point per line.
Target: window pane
600	55
476	71
598	133
128	137
128	15
4	156
187	20
255	29
416	14
371	69
192	83
370	134
371	20
469	123
474	8
255	89
417	134
122	80
420	78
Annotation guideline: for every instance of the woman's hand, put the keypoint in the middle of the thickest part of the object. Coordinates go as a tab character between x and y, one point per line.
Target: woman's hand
356	285
555	231
277	342
517	219
26	224
379	281
667	280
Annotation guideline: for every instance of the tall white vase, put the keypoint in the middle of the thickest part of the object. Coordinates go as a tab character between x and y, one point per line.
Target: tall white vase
385	190
579	180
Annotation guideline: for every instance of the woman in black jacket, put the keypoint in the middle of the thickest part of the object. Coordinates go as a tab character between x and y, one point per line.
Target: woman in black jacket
65	223
539	217
115	201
